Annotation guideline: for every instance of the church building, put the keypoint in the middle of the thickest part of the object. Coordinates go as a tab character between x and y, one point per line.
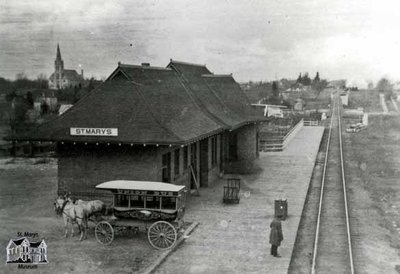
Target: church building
64	78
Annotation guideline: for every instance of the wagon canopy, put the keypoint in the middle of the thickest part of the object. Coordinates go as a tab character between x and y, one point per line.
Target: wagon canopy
140	185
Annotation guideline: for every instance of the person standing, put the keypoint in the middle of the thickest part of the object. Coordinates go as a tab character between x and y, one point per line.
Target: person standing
275	236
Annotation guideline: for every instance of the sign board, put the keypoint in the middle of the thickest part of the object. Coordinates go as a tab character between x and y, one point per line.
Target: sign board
82	131
145	192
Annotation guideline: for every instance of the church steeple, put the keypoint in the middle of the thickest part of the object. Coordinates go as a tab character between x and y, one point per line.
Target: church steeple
58	52
59	63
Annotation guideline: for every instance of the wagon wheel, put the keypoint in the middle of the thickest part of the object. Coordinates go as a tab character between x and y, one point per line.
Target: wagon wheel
104	233
162	235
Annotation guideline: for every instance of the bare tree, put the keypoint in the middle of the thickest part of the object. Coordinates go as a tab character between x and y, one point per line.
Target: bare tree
22	81
42	81
385	86
21	76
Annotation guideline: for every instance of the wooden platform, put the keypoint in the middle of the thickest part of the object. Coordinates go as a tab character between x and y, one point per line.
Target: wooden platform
235	238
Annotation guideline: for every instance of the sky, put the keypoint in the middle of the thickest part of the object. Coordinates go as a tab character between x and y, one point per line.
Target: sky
264	40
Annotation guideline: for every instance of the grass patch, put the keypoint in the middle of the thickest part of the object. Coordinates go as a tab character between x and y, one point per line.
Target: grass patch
42	161
10	162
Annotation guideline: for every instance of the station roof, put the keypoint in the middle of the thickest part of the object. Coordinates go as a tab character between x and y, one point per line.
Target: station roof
150	114
176	105
218	94
188	69
140	185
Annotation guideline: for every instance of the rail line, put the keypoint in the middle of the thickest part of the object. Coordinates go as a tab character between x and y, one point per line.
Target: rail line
332	251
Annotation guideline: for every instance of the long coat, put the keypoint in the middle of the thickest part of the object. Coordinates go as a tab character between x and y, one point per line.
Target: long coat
275	236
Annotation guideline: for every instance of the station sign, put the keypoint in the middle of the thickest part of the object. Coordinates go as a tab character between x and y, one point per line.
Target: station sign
83	131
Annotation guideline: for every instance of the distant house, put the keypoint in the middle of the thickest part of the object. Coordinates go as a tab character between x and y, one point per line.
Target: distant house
297	87
64	78
344	97
23	251
299	105
271	110
47	98
337	84
179	124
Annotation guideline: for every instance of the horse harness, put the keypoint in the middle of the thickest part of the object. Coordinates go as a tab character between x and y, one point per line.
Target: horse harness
61	211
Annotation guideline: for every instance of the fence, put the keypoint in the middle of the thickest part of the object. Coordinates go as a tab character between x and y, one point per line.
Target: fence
311	123
278	143
28	149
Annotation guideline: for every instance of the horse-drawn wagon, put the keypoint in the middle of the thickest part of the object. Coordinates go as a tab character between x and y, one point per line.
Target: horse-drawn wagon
157	207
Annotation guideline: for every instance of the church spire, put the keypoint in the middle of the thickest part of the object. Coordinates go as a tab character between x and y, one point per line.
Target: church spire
59	63
58	52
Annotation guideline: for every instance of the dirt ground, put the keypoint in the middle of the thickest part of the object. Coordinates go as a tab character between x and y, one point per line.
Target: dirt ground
372	159
27	193
28	189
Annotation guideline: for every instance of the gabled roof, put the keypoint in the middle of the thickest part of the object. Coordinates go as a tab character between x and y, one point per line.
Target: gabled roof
154	105
146	106
19	241
229	91
188	69
142	75
36	244
223	100
71	74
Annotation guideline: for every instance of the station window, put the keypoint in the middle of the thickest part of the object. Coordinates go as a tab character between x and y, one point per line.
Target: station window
137	201
153	202
121	200
213	151
232	139
176	157
185	157
166	167
168	203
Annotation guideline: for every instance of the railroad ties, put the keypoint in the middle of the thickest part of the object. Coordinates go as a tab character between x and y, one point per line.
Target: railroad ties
332	247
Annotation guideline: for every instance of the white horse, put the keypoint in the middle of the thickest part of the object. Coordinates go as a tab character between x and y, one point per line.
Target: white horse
90	207
71	214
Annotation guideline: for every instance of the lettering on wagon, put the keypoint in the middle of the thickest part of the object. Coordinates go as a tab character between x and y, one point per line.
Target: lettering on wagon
81	131
143	192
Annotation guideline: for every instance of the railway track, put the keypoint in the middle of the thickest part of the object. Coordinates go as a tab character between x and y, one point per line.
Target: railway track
332	252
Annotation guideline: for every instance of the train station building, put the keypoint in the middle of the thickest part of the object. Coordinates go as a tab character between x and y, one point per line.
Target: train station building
180	124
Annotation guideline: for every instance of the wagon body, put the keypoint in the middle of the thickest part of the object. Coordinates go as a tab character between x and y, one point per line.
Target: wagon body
158	207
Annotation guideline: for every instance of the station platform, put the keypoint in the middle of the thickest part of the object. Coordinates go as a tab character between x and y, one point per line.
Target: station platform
234	238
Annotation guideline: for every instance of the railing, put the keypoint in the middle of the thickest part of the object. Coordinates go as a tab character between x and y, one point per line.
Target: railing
292	133
278	143
311	123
